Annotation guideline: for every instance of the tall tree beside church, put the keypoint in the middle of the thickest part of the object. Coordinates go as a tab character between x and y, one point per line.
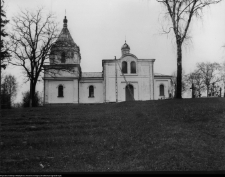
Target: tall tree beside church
31	40
4	51
181	14
174	81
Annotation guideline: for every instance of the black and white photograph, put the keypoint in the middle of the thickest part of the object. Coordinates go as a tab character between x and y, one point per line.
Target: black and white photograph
112	86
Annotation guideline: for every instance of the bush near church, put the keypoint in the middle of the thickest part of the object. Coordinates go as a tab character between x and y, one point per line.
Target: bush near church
5	101
26	99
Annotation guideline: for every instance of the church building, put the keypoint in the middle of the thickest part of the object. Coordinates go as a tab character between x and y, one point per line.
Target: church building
124	79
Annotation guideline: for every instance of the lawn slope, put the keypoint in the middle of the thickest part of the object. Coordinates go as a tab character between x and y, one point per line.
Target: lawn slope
187	134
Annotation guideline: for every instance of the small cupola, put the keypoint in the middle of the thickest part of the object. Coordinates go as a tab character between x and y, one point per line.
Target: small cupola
125	49
65	22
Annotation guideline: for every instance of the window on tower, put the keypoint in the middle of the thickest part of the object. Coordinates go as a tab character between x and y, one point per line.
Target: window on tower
63	57
124	67
133	67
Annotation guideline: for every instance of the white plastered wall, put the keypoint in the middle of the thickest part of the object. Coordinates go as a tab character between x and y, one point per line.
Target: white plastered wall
70	91
84	91
142	80
166	83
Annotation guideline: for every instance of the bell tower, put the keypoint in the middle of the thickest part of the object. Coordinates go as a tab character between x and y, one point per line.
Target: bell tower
65	50
62	75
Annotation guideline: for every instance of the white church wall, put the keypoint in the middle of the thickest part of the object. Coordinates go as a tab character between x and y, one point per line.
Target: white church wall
151	80
46	90
166	83
69	90
144	86
110	82
143	68
122	90
142	80
110	89
84	91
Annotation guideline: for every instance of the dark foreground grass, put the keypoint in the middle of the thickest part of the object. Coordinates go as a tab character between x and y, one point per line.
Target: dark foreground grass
170	135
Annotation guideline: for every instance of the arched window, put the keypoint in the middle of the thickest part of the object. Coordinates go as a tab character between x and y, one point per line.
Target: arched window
91	91
161	90
60	91
124	67
133	67
63	57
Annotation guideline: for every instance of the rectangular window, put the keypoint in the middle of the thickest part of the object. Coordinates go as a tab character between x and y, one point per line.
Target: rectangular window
60	91
91	91
161	90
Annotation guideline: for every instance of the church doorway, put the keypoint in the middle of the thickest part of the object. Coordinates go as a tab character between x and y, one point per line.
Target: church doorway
129	92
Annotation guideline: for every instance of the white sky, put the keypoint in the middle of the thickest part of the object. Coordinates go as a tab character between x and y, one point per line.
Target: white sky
99	28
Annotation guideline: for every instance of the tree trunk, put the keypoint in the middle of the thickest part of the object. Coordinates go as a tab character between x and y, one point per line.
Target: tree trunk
207	91
179	70
31	93
0	87
193	90
224	92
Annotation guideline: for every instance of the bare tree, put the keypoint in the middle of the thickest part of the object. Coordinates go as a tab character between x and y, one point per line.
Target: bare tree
181	13
209	73
31	41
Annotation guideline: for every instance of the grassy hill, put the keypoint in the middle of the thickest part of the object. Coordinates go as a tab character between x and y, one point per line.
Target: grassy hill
182	135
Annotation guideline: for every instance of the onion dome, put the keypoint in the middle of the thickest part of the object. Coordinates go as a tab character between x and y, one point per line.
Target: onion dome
125	46
125	49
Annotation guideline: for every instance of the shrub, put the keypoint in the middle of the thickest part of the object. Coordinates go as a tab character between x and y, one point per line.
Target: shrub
26	99
5	101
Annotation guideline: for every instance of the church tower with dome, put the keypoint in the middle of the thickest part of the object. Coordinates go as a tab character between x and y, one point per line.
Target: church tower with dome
62	75
127	78
65	50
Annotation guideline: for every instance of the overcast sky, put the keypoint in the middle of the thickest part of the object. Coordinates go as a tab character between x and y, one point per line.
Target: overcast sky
99	28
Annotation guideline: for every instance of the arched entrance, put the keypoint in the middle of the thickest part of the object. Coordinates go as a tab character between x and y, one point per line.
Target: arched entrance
129	92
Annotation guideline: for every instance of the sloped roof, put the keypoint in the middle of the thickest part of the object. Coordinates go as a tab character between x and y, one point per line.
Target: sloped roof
65	38
161	75
91	74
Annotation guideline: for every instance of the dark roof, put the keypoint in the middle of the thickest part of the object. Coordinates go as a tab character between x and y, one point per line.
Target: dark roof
91	74
65	39
161	75
125	46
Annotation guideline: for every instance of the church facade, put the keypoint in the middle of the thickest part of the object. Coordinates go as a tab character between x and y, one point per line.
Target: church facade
124	79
